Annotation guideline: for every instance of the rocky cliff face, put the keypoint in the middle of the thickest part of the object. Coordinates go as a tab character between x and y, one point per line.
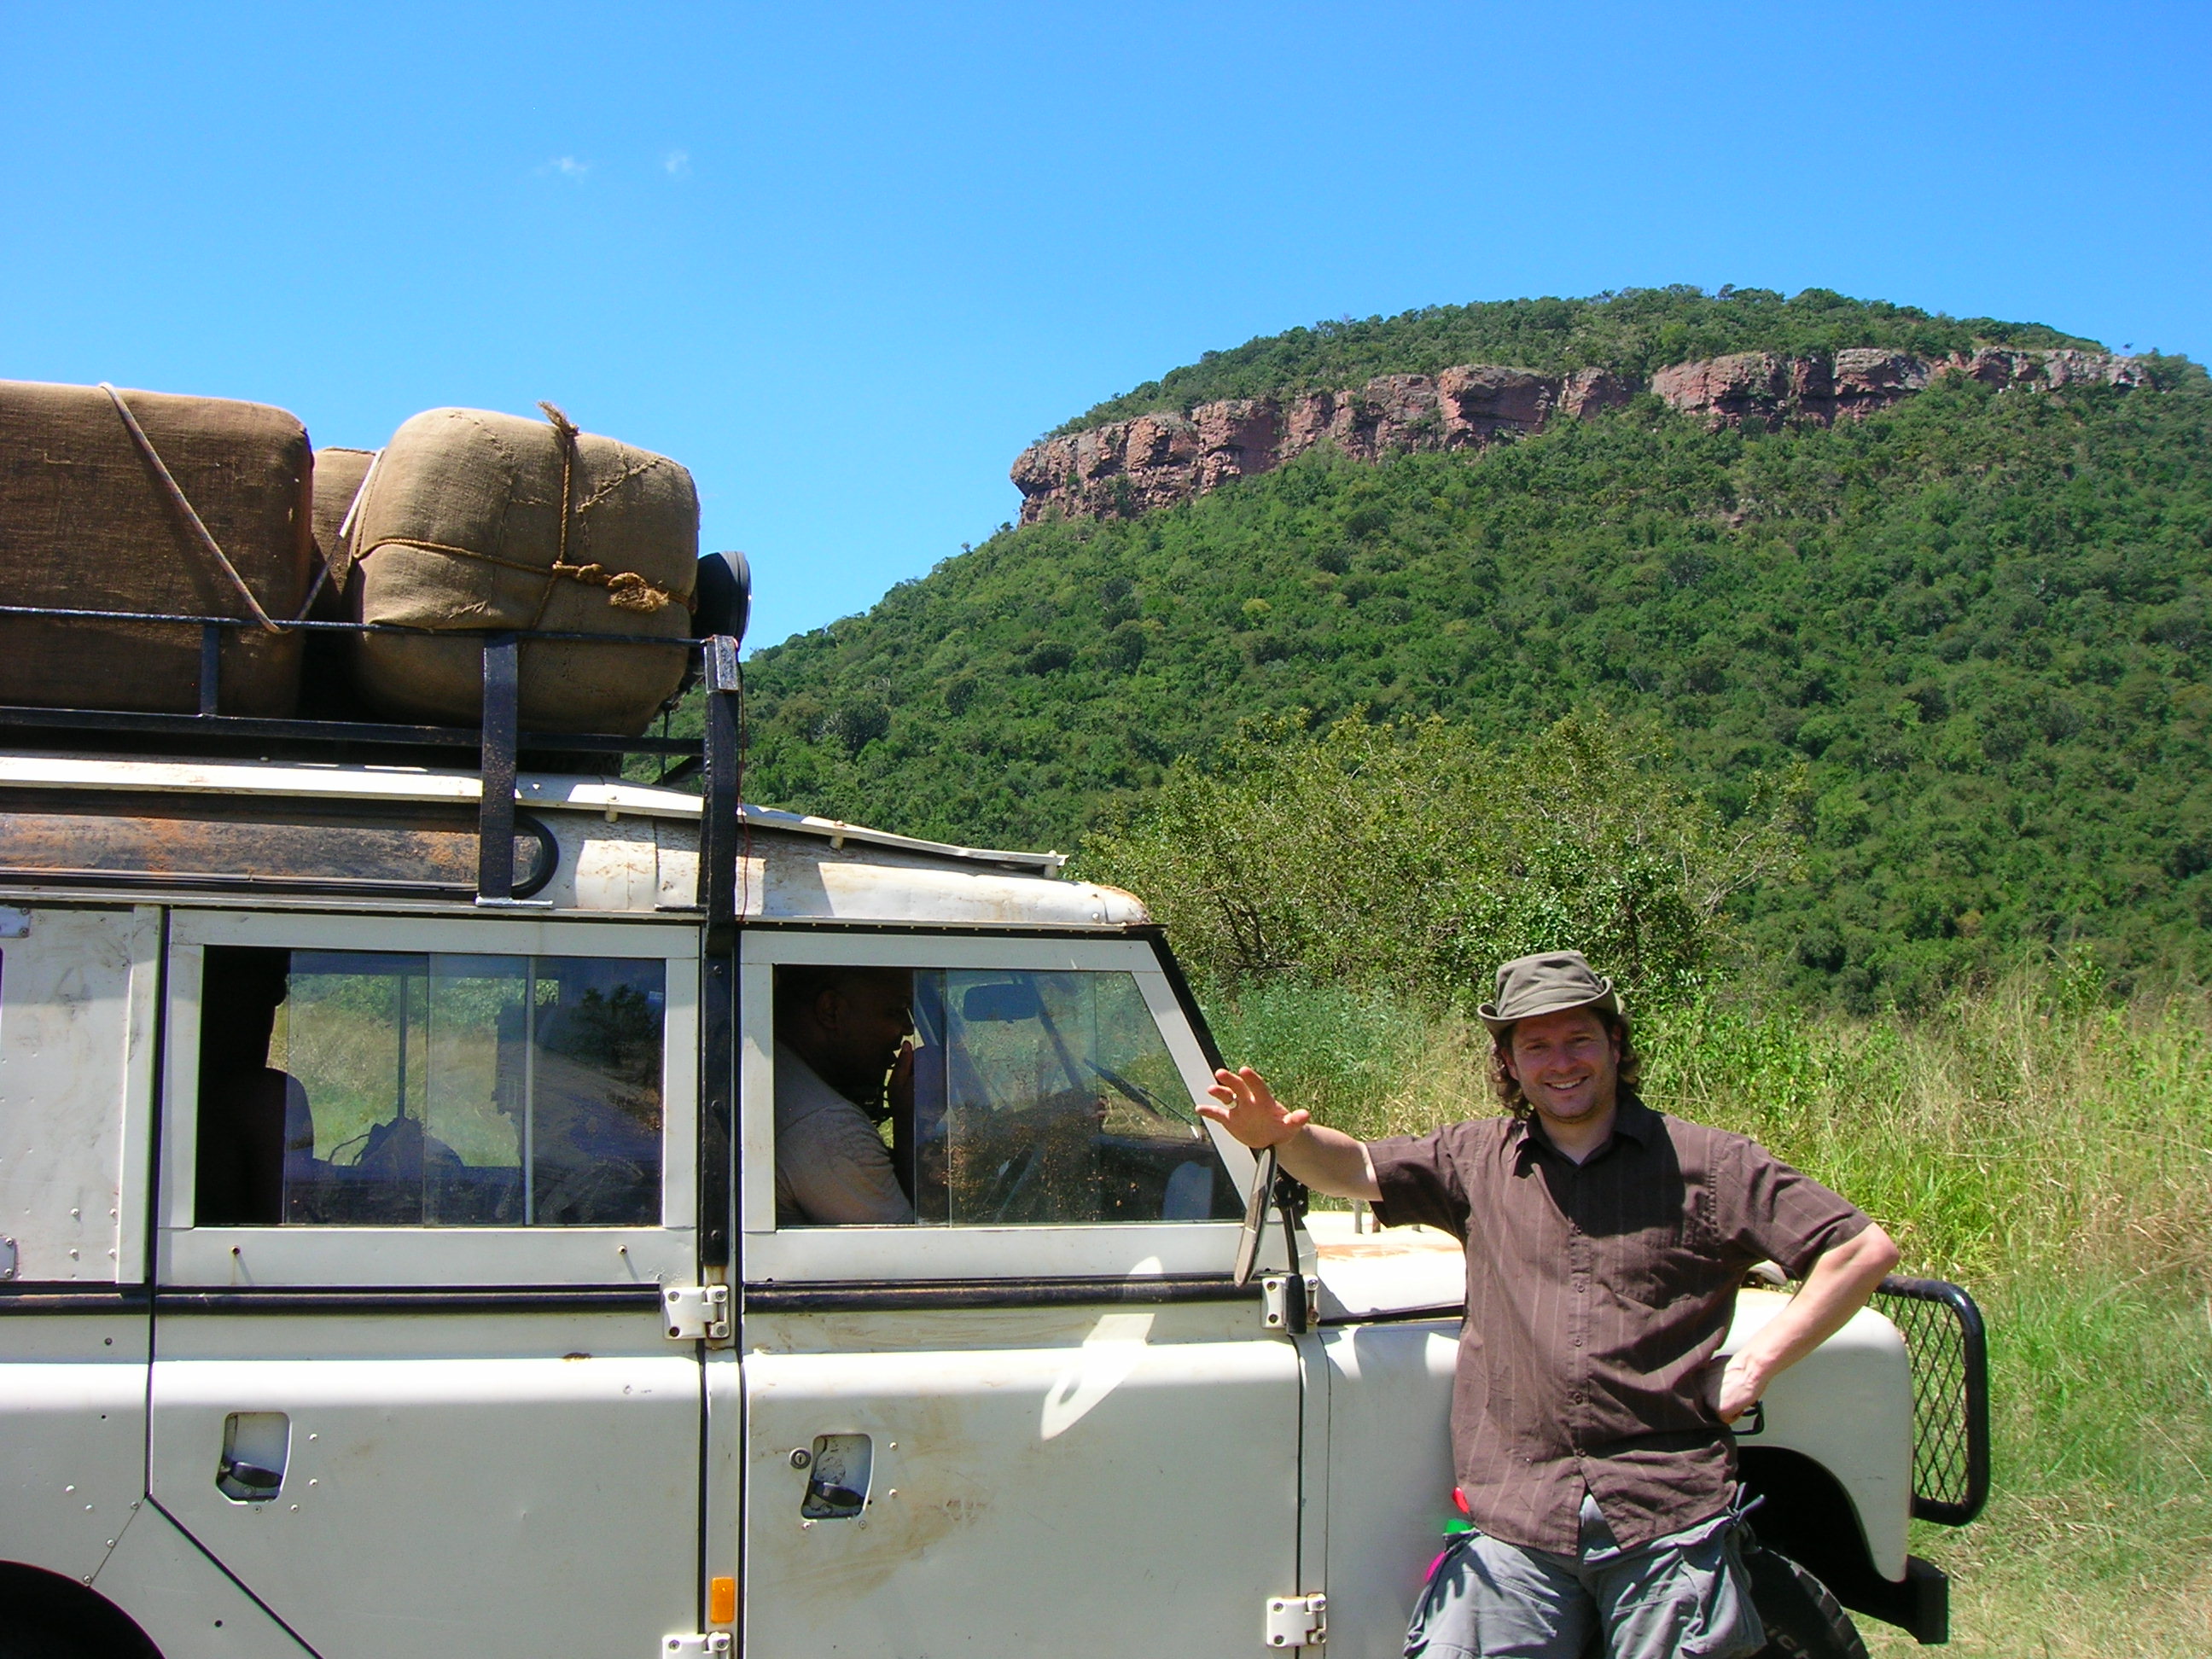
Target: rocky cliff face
1134	466
1759	388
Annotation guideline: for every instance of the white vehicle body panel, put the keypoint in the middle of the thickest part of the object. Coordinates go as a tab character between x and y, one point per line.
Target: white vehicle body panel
76	1018
1847	1405
1044	1482
187	1605
77	1028
445	1502
1389	1476
72	1437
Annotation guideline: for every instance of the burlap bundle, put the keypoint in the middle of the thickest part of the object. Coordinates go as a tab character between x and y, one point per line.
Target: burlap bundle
87	522
477	520
338	476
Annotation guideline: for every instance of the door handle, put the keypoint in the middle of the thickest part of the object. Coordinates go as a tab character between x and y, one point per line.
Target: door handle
256	1446
837	1486
260	1482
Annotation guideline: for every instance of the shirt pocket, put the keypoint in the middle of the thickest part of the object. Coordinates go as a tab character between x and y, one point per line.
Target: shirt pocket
1671	1257
1659	1267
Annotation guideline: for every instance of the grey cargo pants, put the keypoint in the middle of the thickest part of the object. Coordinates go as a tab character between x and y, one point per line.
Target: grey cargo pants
1683	1596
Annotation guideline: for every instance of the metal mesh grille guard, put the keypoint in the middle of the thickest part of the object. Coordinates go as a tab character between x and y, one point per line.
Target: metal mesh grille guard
1948	1348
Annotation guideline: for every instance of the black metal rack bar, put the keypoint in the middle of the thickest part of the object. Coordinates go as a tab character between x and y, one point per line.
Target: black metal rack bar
69	613
502	702
376	734
497	738
719	832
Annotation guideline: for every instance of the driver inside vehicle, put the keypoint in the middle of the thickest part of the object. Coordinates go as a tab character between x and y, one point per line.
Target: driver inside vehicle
843	1064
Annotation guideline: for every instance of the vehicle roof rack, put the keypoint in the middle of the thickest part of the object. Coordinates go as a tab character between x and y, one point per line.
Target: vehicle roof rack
498	738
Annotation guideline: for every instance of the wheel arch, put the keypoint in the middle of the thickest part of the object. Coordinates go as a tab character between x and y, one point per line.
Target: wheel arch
1804	1513
35	1598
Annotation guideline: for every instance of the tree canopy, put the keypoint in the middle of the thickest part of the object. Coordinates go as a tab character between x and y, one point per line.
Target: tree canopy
1413	857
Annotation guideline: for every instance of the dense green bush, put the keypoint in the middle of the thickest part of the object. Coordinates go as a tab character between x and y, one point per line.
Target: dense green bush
1415	857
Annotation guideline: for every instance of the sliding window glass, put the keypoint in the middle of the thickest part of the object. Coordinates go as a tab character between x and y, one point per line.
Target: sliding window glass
392	1089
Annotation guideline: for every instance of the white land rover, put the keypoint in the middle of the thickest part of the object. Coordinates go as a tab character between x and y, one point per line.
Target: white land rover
390	1264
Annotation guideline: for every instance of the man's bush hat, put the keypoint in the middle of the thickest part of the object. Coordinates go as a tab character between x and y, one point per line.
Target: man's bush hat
1548	983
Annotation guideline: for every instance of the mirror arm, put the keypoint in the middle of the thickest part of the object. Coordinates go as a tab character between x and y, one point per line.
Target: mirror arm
1255	1216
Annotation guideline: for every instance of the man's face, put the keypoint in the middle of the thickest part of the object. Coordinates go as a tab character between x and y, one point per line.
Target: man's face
864	1017
1568	1063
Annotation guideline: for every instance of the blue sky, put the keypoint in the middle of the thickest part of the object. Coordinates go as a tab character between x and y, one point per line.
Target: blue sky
844	262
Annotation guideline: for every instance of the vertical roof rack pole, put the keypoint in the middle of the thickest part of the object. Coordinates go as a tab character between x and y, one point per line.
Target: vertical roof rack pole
502	694
718	985
717	815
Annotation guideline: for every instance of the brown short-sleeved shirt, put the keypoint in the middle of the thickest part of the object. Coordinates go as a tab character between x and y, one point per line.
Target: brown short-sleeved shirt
1597	1295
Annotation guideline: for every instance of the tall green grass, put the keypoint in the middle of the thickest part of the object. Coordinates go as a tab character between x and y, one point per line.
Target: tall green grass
2052	1153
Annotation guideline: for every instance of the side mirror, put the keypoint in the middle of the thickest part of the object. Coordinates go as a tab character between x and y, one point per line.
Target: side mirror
1001	1005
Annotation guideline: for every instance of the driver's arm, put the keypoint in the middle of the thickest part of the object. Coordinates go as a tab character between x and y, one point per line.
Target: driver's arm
838	1172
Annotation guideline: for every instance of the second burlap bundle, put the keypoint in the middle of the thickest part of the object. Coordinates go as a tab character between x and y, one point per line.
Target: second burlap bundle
474	520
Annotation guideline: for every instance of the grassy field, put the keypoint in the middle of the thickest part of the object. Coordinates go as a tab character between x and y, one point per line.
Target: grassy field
2051	1152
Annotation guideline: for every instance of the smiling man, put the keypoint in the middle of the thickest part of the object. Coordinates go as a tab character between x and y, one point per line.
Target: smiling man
1604	1243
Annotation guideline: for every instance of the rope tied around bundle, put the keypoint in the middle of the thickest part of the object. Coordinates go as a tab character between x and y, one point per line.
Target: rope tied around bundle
565	432
201	536
626	589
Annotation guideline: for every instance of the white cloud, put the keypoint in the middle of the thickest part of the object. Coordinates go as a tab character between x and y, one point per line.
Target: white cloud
567	166
677	162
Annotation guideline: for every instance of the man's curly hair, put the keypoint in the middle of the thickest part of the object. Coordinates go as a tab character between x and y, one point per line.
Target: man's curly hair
1507	1087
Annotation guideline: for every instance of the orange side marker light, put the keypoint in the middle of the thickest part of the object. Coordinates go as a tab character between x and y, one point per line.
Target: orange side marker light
721	1601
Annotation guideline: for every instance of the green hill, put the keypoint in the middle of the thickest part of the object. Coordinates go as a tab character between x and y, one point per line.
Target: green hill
1984	622
1633	333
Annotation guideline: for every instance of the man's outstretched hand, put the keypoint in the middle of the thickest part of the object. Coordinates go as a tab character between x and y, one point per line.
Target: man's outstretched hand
1249	1110
1325	1159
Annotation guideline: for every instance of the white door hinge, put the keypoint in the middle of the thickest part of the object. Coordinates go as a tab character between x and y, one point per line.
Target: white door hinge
1296	1622
1289	1301
695	1313
694	1646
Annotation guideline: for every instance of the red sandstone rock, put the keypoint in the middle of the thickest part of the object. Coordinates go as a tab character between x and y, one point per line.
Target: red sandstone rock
1478	403
1588	392
1744	387
1159	460
1865	380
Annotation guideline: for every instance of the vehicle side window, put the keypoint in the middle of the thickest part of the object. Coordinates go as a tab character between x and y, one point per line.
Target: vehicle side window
1024	1097
396	1088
